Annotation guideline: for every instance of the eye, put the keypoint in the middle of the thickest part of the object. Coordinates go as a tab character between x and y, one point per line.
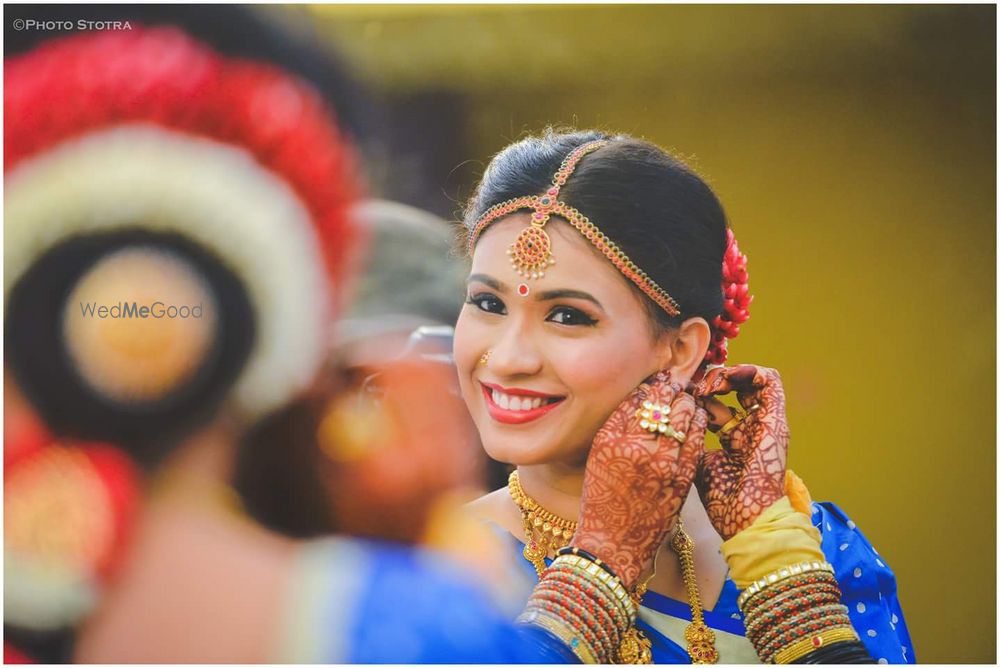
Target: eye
565	315
488	302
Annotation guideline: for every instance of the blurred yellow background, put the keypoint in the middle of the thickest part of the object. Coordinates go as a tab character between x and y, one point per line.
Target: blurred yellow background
854	150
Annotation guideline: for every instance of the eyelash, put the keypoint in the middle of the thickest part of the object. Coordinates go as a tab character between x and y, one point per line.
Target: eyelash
478	299
585	320
482	299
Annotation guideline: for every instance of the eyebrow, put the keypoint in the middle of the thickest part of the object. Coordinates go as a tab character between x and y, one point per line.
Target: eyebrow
550	295
547	295
488	281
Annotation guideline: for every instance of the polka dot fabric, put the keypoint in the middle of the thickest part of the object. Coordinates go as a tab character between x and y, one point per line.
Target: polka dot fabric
867	584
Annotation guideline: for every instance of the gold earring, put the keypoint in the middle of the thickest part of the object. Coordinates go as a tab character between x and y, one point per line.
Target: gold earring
485	358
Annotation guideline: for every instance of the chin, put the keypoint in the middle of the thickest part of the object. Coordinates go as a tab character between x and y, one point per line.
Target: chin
519	450
528	450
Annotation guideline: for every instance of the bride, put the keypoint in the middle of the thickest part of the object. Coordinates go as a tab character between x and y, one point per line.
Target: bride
598	262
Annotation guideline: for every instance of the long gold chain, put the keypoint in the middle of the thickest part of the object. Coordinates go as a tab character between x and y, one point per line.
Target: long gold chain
700	638
546	532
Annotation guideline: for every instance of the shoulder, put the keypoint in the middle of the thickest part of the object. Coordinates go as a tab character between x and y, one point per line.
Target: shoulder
849	550
867	583
497	508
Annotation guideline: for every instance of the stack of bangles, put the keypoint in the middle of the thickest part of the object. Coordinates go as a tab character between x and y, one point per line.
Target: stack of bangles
580	601
794	615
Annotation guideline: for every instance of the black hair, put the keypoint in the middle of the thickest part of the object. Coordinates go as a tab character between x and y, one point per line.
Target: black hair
650	203
43	367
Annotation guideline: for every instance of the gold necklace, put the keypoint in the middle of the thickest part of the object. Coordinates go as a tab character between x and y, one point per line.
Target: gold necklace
553	532
700	638
545	531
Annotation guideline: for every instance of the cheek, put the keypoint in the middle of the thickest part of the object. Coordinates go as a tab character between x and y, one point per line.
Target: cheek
601	374
467	344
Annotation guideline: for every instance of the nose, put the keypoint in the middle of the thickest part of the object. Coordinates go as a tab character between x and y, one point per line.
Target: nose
515	354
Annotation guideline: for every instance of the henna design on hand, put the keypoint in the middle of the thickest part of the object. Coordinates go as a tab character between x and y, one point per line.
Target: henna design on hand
736	484
636	482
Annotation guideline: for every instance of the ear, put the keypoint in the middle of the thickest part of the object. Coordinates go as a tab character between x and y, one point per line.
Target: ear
682	350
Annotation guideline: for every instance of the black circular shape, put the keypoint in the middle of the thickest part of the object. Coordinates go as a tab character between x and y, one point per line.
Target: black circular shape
37	356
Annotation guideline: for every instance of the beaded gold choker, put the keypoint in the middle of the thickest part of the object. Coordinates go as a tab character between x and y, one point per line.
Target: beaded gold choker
531	252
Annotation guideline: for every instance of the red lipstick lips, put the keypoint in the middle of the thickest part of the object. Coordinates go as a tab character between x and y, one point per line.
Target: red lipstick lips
508	416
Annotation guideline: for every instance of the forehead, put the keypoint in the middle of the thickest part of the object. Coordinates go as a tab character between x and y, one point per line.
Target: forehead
567	244
578	264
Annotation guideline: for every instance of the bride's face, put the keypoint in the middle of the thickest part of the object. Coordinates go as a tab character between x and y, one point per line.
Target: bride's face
561	359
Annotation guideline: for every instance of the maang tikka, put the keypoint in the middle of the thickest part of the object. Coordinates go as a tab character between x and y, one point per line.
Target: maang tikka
531	252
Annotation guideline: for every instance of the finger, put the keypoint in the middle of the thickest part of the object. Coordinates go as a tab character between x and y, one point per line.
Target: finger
747	380
682	412
718	413
663	389
721	415
740	378
691	452
694	446
634	399
661	376
657	396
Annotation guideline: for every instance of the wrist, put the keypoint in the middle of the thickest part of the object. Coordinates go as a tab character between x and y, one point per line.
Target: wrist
625	564
780	536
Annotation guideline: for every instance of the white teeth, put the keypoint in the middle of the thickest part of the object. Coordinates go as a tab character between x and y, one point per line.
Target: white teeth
501	399
516	403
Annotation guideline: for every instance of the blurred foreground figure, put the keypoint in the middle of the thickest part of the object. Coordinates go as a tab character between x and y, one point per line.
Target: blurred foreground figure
406	298
176	232
410	278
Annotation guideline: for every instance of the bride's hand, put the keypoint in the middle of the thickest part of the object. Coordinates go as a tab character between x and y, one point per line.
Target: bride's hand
739	482
636	481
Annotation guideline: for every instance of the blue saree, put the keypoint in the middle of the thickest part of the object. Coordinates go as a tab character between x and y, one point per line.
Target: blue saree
361	601
867	584
356	601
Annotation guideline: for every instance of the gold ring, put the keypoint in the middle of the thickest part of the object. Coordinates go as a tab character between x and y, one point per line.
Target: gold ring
678	436
738	417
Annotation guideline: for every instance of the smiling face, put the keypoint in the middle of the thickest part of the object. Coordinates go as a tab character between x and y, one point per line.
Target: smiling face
561	358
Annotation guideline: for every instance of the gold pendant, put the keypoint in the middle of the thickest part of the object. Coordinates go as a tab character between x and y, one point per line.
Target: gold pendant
531	252
701	643
635	648
535	554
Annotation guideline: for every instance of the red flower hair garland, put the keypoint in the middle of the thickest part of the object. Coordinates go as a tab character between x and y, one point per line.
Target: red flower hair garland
735	308
68	87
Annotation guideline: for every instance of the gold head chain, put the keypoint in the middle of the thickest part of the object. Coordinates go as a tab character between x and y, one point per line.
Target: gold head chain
531	252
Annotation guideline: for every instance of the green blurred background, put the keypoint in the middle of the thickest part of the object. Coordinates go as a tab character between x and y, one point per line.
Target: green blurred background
854	149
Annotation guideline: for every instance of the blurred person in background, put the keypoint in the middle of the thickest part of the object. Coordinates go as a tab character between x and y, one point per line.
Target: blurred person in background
177	248
601	264
410	278
178	244
172	266
405	301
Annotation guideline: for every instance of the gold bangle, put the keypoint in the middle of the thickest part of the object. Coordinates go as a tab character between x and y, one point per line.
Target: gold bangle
802	647
779	575
563	632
